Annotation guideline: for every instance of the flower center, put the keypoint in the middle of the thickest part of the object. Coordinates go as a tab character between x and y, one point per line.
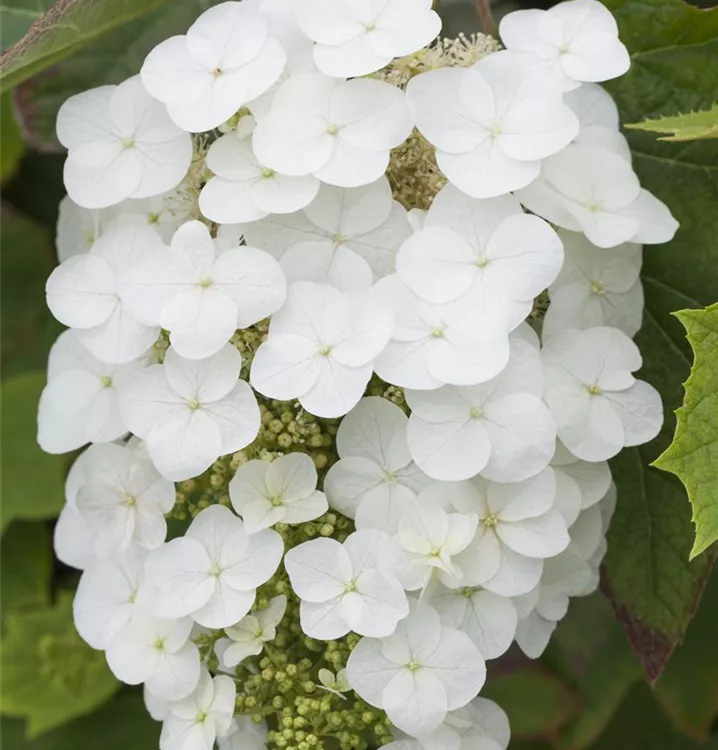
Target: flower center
491	521
338	239
438	332
323	350
594	206
495	127
205	283
350	587
481	261
276	501
332	129
159	644
217	72
594	390
413	666
597	288
153	218
106	381
201	717
128	142
469	591
130	500
193	404
267	174
563	49
476	412
215	570
370	26
436	552
389	478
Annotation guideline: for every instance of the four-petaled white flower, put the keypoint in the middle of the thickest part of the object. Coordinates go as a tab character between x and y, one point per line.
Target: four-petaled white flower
592	189
248	636
519	527
244	190
121	145
429	542
201	291
225	60
419	673
435	344
355	38
501	429
87	293
598	405
190	412
347	237
596	287
492	124
577	41
79	404
339	131
195	722
375	481
158	652
124	501
343	587
284	490
106	597
321	347
489	250
213	571
488	619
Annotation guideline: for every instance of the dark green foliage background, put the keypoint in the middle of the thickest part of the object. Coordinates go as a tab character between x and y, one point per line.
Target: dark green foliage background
592	689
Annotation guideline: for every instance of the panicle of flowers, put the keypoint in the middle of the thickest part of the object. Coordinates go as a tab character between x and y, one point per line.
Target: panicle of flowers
351	305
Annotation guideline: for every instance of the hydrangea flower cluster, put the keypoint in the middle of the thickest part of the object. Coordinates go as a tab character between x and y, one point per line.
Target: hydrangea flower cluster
349	313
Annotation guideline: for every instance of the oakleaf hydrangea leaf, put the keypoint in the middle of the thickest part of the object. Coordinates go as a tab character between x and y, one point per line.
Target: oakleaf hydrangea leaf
693	454
691	126
50	675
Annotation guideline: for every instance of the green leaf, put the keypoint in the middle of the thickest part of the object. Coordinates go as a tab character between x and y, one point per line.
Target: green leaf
25	566
67	26
120	724
50	675
689	127
32	481
653	586
537	702
693	454
11	144
117	56
16	17
688	689
28	329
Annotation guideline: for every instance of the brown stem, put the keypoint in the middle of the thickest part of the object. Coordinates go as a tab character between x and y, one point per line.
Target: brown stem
483	10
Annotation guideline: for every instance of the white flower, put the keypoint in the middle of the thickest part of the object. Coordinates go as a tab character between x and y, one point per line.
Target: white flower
243	733
158	652
106	597
598	119
284	490
121	145
195	722
77	228
598	405
343	588
500	429
86	293
248	636
346	237
213	571
434	344
519	527
593	190
429	542
244	190
190	412
355	38
488	249
339	131
578	483
480	725
321	347
375	480
488	619
419	673
596	287
336	684
225	60
492	124
576	40
124	501
202	292
79	403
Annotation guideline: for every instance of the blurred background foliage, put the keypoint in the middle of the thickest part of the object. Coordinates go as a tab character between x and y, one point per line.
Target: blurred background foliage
610	679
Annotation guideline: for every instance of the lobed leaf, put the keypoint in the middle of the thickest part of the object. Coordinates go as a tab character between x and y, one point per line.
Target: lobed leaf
689	127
